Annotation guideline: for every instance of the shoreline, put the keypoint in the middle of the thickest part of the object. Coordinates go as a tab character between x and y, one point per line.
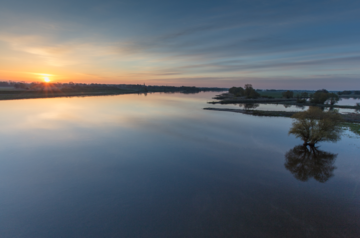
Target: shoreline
279	101
17	95
25	94
348	117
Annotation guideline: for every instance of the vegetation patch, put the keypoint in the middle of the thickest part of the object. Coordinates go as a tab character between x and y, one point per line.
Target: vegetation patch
353	127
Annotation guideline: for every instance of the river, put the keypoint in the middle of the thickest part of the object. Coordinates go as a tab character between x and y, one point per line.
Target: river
160	166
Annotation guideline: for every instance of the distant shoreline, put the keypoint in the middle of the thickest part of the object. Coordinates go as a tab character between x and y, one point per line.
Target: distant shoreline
281	101
16	95
29	94
348	117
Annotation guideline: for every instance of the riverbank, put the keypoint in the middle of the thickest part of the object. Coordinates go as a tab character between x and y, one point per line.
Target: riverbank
282	101
348	117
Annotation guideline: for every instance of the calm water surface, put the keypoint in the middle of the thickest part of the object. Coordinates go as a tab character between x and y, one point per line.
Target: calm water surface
160	166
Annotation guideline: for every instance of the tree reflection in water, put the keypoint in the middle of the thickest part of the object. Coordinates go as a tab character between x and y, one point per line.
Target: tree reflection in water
248	106
305	163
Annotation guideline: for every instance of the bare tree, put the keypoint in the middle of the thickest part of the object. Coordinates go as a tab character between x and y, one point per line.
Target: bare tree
314	125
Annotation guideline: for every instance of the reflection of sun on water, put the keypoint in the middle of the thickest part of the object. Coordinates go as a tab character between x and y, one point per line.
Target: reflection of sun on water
46	79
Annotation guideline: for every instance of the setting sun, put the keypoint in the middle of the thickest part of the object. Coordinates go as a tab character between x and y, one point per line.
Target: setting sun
46	79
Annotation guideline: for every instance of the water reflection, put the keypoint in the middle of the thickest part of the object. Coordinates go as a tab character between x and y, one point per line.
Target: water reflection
130	166
249	106
300	107
310	162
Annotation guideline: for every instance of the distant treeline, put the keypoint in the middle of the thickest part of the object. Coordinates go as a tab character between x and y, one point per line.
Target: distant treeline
40	86
321	96
349	92
248	91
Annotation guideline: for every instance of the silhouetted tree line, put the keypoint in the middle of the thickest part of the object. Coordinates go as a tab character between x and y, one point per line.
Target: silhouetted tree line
19	85
39	86
248	91
346	92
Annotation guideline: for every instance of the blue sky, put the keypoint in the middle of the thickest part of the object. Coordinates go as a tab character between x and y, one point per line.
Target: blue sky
271	44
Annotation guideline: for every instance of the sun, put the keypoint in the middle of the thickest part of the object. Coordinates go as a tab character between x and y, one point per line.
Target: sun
46	79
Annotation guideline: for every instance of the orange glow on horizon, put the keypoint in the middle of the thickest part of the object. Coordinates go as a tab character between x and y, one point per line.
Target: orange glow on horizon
46	79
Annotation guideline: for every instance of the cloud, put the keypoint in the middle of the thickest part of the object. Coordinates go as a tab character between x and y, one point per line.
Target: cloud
146	40
310	82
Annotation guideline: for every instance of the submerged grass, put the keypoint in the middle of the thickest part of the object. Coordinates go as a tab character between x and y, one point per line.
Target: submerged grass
351	126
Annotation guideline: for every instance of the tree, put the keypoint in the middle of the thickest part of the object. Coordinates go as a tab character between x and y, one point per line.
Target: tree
232	90
249	92
288	94
320	96
314	125
305	163
254	94
237	91
333	98
248	89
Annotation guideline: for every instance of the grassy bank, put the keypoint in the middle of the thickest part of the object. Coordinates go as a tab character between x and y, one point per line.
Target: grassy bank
349	117
282	101
354	127
351	120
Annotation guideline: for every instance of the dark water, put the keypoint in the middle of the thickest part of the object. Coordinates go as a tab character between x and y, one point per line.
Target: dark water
160	166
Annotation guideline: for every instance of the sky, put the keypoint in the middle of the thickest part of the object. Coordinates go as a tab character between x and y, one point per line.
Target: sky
278	44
